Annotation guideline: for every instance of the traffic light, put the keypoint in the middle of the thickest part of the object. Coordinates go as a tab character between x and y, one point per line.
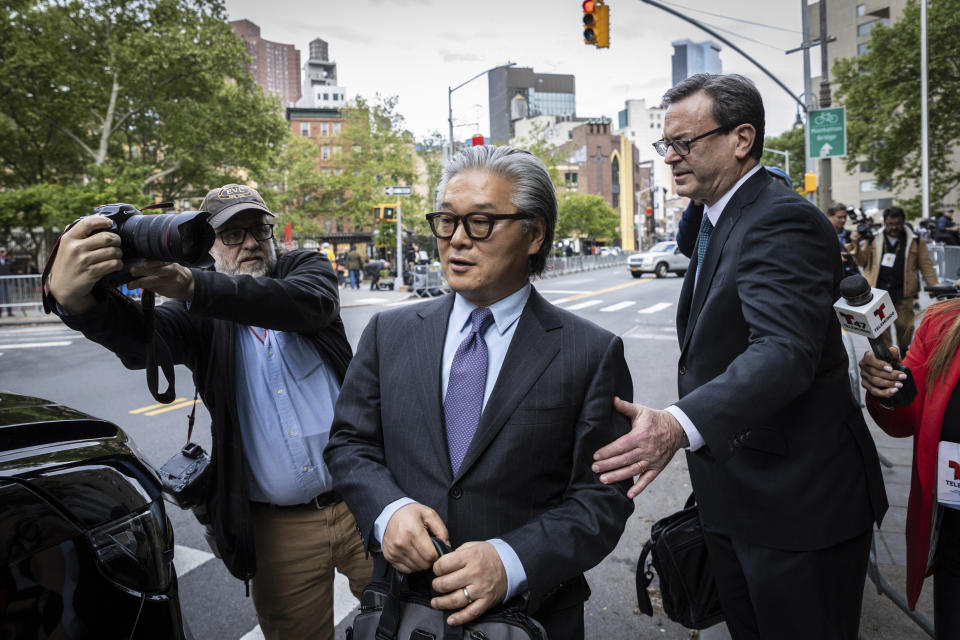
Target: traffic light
596	23
649	211
810	182
589	22
386	212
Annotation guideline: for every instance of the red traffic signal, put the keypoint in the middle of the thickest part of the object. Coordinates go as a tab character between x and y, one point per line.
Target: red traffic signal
476	140
649	211
589	22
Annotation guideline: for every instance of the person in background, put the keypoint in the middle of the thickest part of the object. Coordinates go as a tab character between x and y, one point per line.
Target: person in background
354	265
947	230
6	269
931	419
893	262
837	215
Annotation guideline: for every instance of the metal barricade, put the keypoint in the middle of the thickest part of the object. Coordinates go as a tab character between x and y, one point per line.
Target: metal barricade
428	280
560	265
19	291
950	263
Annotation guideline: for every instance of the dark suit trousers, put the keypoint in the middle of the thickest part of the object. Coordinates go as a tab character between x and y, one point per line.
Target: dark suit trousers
772	593
563	624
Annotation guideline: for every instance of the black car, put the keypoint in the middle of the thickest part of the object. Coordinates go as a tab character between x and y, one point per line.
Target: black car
86	549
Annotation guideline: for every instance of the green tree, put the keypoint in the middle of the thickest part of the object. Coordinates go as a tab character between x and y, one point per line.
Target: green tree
586	216
537	144
294	188
881	91
791	141
376	152
105	89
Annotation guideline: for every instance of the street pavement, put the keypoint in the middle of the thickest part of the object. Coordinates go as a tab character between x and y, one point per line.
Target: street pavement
40	356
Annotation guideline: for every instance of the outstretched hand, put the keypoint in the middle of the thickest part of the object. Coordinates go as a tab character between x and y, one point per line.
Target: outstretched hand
653	439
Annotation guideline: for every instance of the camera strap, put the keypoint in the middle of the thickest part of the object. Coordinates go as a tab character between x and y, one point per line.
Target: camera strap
158	354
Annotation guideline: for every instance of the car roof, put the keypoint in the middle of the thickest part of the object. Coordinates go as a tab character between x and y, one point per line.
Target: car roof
17	409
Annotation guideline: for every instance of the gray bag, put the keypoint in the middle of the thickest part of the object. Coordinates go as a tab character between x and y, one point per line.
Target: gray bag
391	610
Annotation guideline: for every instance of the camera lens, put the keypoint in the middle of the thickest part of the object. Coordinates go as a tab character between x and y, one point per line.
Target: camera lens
172	237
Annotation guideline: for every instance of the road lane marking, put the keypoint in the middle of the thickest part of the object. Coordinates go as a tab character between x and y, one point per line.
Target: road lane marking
186	559
561	290
599	291
619	305
660	306
343	604
172	407
584	305
154	406
35	345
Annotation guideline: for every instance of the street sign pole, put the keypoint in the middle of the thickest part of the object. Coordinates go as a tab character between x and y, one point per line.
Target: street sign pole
399	191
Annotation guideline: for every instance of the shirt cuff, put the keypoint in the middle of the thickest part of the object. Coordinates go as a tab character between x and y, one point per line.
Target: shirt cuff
693	435
380	524
516	576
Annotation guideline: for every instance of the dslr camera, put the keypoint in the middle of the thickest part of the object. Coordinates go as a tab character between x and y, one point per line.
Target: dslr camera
865	226
185	238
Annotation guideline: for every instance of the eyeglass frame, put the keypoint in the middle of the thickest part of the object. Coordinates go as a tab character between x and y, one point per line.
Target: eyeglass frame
520	215
666	145
246	230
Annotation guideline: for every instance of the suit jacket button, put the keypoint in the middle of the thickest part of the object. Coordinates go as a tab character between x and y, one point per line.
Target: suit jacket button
456	493
683	370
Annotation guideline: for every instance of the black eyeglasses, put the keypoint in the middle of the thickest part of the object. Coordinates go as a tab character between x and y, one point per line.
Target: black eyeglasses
232	237
682	147
478	226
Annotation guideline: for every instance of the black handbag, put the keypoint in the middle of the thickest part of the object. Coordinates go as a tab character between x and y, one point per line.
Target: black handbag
678	554
391	609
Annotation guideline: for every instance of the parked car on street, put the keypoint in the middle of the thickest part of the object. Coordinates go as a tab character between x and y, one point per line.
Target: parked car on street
661	259
86	549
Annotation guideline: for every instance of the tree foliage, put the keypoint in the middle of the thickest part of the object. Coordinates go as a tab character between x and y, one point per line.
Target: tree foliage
791	141
586	216
137	98
881	91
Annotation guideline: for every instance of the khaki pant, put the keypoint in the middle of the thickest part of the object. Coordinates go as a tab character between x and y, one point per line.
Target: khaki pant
297	551
903	325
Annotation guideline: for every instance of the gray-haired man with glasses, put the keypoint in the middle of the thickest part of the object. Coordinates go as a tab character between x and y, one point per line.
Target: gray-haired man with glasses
263	337
473	417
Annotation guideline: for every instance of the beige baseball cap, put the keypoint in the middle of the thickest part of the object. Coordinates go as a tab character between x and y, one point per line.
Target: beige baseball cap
230	199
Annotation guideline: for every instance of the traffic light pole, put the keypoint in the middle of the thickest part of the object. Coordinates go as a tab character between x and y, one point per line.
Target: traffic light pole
399	247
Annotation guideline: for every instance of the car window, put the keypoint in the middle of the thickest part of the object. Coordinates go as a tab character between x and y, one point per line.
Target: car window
663	246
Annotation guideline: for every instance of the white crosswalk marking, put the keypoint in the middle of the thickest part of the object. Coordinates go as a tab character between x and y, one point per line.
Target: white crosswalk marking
34	345
343	604
186	559
618	306
584	305
660	306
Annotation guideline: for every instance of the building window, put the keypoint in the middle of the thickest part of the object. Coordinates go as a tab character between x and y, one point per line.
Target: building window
570	178
326	96
325	152
861	10
862	48
305	129
324	128
336	152
336	128
865	28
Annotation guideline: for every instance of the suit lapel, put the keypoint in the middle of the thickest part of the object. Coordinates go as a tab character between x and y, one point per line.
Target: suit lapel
429	340
535	343
744	196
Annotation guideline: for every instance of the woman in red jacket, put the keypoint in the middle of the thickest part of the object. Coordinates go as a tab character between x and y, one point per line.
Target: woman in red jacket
934	416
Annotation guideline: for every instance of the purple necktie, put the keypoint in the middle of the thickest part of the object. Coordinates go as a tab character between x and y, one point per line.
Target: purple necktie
465	387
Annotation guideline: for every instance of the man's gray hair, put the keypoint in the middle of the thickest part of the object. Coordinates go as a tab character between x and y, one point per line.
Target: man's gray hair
736	101
533	190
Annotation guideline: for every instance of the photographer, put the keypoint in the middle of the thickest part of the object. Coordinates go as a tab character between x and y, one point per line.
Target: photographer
932	418
264	340
893	261
837	215
947	231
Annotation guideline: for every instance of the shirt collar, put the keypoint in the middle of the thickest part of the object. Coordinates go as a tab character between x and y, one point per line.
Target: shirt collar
713	211
505	311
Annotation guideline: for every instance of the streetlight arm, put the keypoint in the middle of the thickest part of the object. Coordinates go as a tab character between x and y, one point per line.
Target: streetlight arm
450	96
729	44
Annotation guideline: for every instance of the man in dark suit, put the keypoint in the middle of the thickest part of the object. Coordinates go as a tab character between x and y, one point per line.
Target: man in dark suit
784	470
474	417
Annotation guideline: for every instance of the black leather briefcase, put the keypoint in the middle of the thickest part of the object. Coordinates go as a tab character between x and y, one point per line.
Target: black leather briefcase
678	554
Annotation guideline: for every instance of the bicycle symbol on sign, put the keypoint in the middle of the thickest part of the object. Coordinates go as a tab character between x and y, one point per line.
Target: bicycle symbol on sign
826	118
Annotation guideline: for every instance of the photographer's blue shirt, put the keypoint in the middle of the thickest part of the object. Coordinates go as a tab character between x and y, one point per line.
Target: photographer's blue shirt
286	392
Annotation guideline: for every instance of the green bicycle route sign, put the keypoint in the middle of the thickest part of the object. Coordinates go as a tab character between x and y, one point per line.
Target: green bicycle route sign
827	133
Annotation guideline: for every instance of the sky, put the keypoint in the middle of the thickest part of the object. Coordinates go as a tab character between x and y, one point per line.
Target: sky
416	49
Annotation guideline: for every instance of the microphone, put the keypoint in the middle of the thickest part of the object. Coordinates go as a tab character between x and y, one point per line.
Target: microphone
870	312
